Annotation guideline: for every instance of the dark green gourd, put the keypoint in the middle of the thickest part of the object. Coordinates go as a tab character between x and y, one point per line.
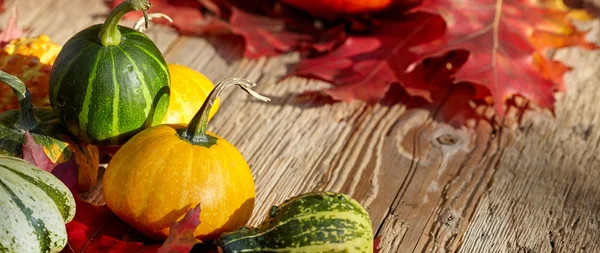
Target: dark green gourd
109	81
311	222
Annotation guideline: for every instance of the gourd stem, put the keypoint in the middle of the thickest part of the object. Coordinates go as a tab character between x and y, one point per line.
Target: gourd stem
27	120
110	34
138	24
196	129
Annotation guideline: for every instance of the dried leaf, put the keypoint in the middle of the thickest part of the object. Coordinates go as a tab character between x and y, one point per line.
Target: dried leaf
449	101
181	235
364	67
264	36
268	29
11	31
186	14
34	154
506	40
95	229
376	243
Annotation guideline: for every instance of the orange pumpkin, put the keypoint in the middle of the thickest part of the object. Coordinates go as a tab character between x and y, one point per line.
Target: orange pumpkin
189	89
163	171
30	59
329	8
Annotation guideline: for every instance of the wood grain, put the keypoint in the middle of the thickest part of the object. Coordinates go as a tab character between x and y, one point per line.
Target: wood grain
428	187
546	196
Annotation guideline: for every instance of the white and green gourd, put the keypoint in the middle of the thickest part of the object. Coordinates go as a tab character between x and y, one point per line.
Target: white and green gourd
35	207
311	222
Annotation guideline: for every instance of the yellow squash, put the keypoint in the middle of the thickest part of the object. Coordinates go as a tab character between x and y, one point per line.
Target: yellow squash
189	89
163	171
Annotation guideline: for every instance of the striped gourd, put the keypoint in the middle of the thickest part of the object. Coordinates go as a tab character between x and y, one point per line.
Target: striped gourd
46	130
35	207
109	81
311	222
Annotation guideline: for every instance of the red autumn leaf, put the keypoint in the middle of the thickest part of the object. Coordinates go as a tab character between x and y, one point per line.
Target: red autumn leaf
506	40
98	229
11	31
181	235
365	66
376	242
264	36
95	229
450	101
266	27
34	154
187	15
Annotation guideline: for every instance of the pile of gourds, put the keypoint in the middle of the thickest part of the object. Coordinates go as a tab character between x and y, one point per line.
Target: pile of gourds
110	86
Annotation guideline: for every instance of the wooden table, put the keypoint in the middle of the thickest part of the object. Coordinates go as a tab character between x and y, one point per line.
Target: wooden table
531	188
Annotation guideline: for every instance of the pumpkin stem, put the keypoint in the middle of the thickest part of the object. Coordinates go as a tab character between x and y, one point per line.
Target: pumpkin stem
27	120
196	129
110	34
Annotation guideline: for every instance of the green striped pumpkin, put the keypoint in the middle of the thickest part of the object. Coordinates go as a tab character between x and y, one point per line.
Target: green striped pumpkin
35	207
311	222
109	81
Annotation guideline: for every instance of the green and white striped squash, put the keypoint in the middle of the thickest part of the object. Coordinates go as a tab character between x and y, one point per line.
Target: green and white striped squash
35	207
109	81
311	222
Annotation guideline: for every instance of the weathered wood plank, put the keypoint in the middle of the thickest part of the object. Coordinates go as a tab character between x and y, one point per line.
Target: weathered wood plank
427	186
546	196
446	175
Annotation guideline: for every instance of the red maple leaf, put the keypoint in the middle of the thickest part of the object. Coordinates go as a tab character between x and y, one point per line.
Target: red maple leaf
34	154
187	15
98	229
268	29
450	101
181	234
365	66
506	40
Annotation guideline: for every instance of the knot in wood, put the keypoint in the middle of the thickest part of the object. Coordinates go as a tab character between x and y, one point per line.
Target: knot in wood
447	139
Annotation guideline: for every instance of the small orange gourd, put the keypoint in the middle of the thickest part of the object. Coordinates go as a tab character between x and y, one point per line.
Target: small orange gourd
189	90
163	171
